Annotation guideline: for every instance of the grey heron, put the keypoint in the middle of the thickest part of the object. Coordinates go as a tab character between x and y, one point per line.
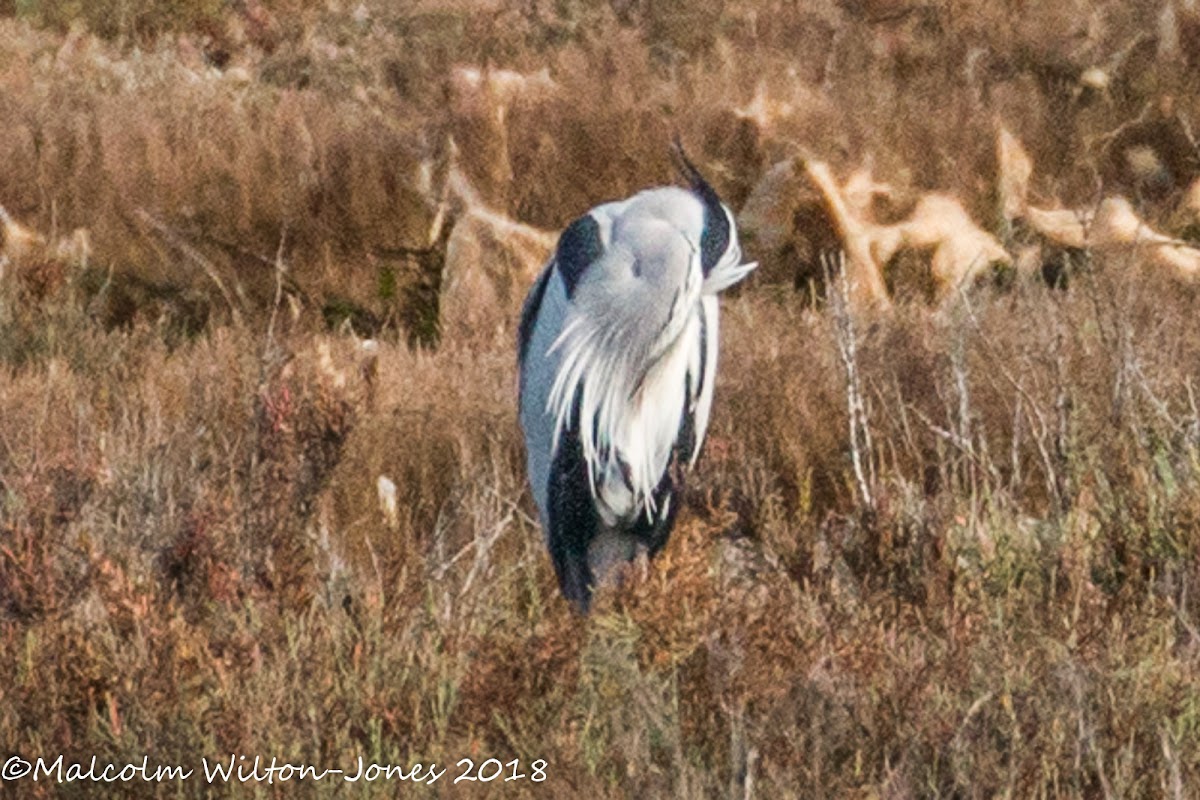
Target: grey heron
617	355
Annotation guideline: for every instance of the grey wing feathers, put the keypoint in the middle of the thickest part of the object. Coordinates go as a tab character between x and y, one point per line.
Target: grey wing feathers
617	355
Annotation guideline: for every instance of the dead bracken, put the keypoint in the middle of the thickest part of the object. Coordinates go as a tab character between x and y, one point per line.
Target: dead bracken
262	485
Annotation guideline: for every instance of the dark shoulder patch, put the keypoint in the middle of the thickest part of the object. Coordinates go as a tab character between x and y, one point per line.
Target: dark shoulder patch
529	312
578	247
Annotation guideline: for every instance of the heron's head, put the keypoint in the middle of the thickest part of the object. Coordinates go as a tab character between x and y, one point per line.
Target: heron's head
720	252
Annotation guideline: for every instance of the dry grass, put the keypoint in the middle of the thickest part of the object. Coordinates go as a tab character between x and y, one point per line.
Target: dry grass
194	560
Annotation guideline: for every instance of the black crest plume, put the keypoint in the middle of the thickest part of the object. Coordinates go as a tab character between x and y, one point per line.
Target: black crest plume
715	239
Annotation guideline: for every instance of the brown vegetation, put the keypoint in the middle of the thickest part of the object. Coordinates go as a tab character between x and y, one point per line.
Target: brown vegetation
1111	227
943	552
491	260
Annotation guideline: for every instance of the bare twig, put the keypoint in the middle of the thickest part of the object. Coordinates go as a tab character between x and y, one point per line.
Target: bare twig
1170	749
1050	463
1062	435
280	271
962	413
177	241
861	448
483	548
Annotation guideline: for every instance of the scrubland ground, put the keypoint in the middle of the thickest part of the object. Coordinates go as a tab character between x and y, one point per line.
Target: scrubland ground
982	582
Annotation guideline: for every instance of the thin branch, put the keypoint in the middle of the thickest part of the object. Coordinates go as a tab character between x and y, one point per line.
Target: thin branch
861	448
177	241
280	271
